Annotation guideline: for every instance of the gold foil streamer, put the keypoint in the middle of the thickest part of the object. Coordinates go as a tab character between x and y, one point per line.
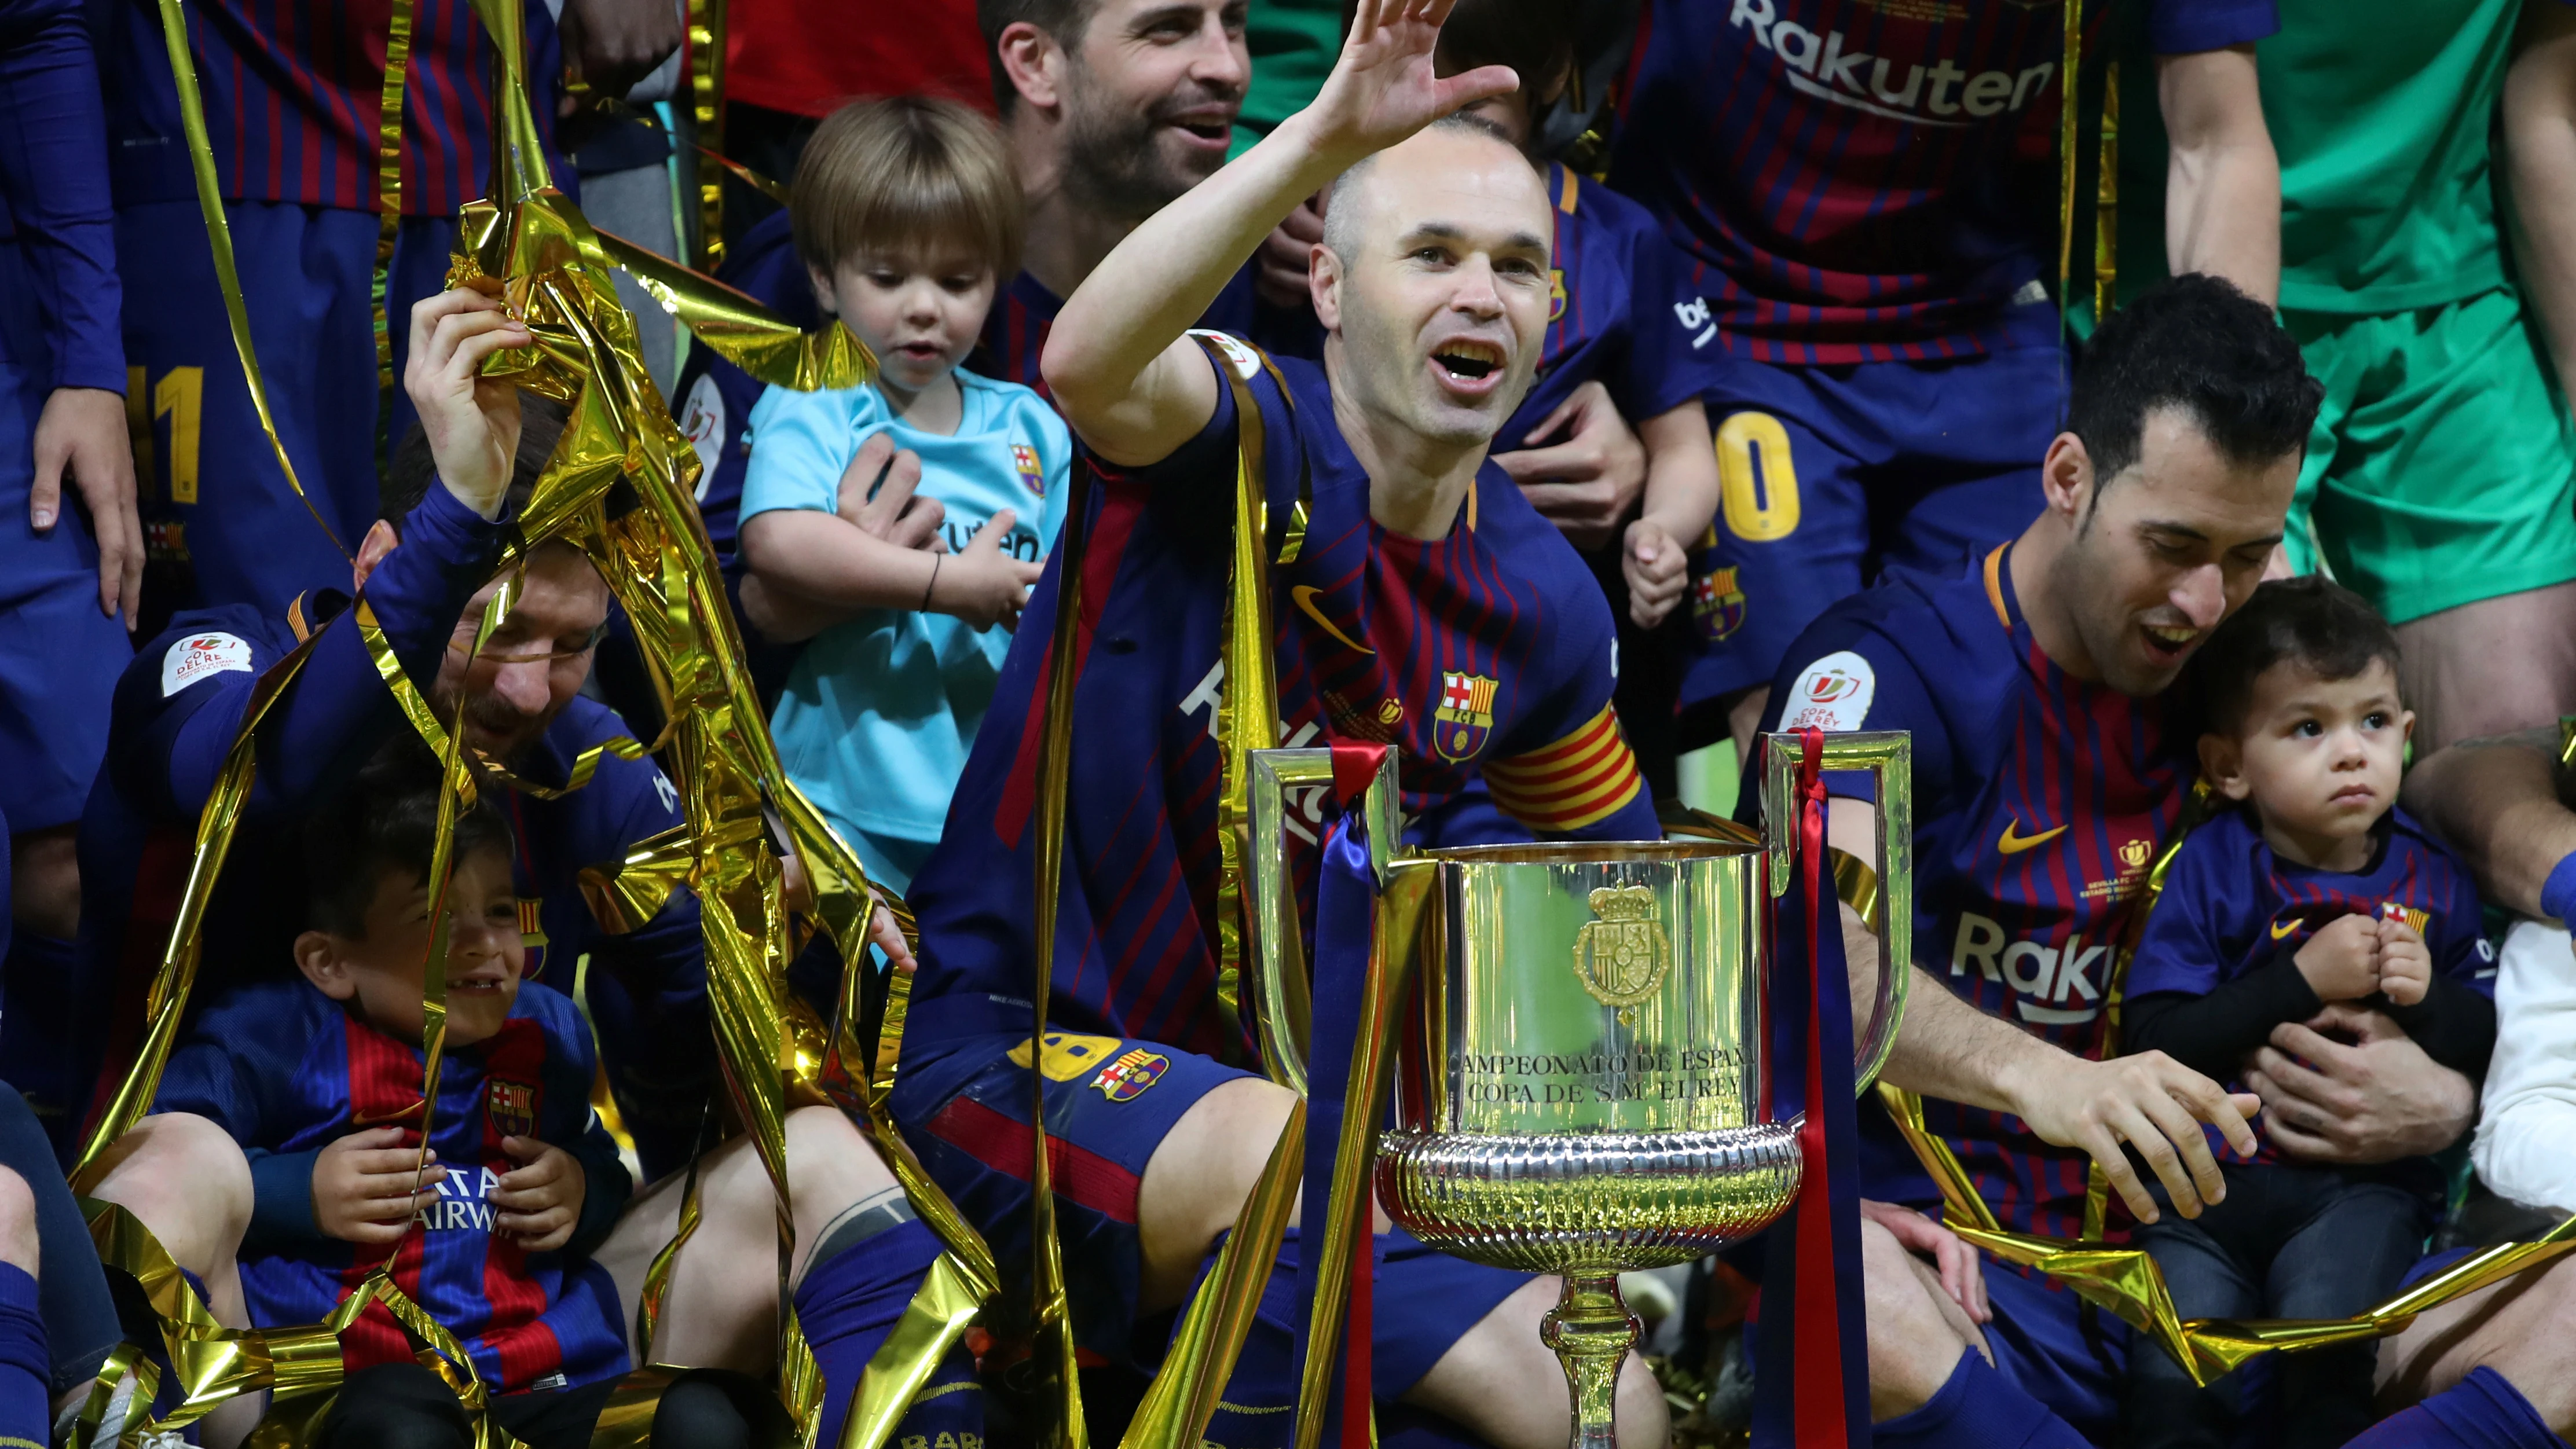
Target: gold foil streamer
1247	719
2106	198
1051	1343
706	98
2126	1283
219	242
2067	117
389	117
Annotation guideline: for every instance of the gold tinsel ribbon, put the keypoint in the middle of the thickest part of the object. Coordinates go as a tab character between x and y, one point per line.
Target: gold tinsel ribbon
706	99
389	114
2126	1283
219	242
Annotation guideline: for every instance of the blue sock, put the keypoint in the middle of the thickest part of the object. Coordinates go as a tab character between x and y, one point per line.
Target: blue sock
1978	1408
2482	1411
2558	893
39	994
849	1302
26	1413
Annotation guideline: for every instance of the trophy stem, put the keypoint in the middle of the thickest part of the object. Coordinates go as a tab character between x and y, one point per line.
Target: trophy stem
1591	1330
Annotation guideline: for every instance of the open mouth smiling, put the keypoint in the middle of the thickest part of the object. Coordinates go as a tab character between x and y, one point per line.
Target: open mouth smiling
1468	360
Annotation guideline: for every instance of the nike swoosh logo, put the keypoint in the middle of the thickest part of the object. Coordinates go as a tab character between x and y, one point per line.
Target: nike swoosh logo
2014	842
1304	595
2282	931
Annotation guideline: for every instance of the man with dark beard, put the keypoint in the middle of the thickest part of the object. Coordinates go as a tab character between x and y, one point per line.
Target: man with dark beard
422	576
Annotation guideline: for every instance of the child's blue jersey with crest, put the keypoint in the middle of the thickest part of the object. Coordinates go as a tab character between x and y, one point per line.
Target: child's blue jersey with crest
2040	801
1622	310
876	719
286	1071
2230	907
1488	649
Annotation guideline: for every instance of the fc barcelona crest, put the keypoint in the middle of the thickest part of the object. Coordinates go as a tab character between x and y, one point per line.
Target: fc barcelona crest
1622	953
1717	605
1126	1079
1555	293
1033	473
1465	716
512	1106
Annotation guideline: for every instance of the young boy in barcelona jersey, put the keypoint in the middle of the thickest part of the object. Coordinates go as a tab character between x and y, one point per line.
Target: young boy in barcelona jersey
2312	889
2045	781
1427	605
1870	189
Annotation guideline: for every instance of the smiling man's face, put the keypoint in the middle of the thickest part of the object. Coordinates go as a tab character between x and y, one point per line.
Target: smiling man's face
1436	291
1150	96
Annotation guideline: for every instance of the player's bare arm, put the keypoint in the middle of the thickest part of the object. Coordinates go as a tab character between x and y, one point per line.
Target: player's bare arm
2496	801
2223	179
1949	1049
1116	361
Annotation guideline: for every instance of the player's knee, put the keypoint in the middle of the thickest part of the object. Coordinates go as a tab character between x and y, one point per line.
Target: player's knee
188	1181
17	1222
1912	1345
44	882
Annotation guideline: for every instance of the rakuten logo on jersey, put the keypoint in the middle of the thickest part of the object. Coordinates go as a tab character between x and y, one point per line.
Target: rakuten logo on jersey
2052	985
1828	68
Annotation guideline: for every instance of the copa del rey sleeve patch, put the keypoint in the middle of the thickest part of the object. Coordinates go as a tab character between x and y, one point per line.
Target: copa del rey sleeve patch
198	656
1831	694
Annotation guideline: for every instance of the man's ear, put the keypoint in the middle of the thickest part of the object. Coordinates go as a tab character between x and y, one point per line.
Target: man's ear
380	540
1324	285
2066	477
2222	764
317	955
1034	63
825	295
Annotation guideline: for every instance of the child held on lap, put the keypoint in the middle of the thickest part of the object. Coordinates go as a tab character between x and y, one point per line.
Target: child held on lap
318	1077
2314	889
906	214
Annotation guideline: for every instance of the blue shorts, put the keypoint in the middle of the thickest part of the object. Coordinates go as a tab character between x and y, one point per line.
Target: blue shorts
60	656
963	1103
215	504
1832	474
2074	1361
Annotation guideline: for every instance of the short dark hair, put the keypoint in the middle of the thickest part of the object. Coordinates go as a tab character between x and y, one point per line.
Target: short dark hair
387	819
1536	38
1065	20
2311	621
412	469
2196	343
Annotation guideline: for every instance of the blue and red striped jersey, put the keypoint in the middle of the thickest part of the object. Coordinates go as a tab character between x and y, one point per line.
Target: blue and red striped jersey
1488	648
293	90
2040	801
2230	907
1622	309
54	200
1015	330
287	1072
1863	180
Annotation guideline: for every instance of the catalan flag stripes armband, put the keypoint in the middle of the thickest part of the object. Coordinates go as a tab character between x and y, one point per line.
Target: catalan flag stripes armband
1579	780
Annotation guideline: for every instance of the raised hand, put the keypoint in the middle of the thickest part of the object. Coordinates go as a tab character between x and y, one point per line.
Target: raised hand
1383	88
472	421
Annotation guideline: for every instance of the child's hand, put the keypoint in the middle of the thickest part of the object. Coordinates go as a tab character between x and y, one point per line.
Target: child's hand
895	514
364	1188
985	586
2405	963
2341	962
539	1201
1654	566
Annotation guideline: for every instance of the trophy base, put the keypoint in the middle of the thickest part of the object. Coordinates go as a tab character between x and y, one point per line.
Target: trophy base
1590	1203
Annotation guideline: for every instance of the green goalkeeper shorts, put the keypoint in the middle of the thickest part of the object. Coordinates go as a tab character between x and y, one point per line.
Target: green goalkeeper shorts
2442	469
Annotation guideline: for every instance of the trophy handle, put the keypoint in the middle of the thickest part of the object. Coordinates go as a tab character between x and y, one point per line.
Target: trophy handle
1276	948
1888	755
